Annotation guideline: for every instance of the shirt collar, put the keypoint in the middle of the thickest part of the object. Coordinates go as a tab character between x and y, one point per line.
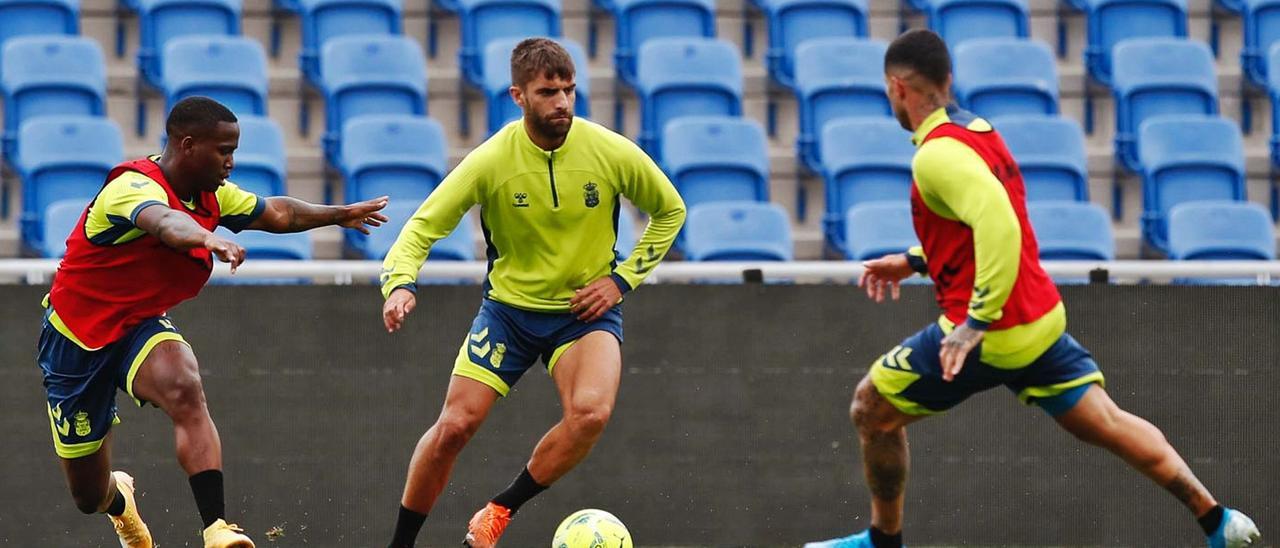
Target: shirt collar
937	118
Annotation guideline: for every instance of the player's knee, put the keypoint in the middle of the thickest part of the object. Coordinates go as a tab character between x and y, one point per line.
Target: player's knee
452	434
184	392
588	421
865	410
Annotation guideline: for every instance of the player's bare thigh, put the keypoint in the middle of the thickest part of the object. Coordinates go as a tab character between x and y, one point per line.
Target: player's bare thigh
169	376
871	412
589	372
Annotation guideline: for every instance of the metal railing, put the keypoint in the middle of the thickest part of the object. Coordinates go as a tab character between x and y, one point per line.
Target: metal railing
38	271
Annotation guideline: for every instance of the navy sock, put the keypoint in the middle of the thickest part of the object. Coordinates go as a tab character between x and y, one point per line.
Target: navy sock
519	492
1212	519
117	503
407	527
207	488
881	540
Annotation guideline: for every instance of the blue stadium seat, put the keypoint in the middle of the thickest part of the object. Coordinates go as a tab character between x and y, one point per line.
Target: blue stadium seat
47	76
1155	77
1261	25
626	236
836	78
1273	91
738	231
638	21
37	17
717	158
260	161
267	246
459	245
59	219
323	20
876	229
229	69
683	77
1187	159
1006	76
1110	22
63	158
370	74
1216	230
960	20
864	160
1072	231
162	20
485	20
400	156
792	22
1050	154
497	81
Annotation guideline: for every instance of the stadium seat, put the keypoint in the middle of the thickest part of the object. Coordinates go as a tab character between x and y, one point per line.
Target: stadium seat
37	17
50	75
229	69
1050	154
717	158
638	21
1155	77
836	78
683	77
626	235
1108	22
738	231
485	20
1261	26
792	22
162	20
323	20
370	74
876	229
957	21
63	158
267	246
1006	76
1217	230
459	245
497	81
400	156
58	220
1273	91
1072	231
260	161
864	160
1187	159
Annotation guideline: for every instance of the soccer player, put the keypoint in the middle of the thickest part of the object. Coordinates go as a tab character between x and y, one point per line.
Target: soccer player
548	188
1003	322
143	245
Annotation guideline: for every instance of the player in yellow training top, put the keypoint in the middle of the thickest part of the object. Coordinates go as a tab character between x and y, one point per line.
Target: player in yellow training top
548	188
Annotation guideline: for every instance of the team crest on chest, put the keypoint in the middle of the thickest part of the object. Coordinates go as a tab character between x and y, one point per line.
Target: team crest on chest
592	196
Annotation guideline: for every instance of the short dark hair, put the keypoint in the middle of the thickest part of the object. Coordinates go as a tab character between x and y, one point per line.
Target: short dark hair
921	51
539	56
196	116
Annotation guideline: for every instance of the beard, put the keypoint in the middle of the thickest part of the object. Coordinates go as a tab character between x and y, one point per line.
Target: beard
551	129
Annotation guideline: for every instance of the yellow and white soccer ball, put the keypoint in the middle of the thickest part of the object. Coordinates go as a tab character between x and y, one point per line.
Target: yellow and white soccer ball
591	529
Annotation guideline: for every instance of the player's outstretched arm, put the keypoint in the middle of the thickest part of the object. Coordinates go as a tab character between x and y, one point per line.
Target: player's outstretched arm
179	231
286	214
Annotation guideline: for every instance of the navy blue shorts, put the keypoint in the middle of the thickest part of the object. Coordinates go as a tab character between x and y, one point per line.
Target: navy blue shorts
505	341
81	384
910	375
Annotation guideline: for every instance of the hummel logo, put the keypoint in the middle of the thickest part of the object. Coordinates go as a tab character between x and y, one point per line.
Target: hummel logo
521	199
138	184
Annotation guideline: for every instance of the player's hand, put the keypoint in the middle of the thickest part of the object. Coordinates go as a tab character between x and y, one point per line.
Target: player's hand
399	304
592	301
225	250
359	214
956	347
884	273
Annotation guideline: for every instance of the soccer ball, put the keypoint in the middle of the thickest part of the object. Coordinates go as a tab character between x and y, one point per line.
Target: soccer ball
591	529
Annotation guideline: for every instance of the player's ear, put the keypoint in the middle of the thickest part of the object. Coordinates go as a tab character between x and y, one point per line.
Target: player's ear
517	95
